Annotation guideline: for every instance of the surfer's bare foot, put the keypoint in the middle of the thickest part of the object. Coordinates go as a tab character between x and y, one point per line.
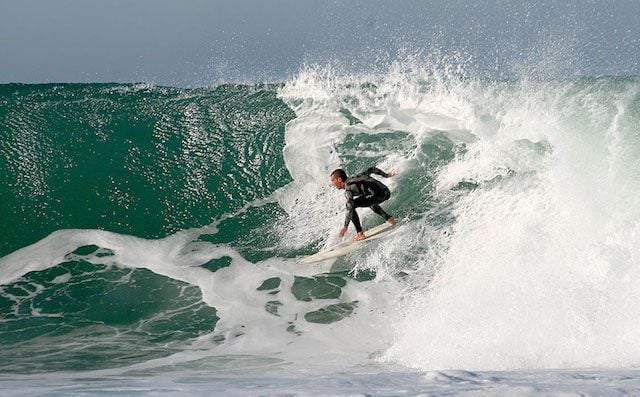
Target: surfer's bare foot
359	237
391	221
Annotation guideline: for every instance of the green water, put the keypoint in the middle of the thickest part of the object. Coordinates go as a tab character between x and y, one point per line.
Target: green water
138	160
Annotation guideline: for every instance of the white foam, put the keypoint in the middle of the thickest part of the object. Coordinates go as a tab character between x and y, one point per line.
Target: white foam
538	271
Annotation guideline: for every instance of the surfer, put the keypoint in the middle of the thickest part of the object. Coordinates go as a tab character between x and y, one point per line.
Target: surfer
362	191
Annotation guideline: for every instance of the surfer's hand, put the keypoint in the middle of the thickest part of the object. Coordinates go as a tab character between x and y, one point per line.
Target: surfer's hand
391	173
342	232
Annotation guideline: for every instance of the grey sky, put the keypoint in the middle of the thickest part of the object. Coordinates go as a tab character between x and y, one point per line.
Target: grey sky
198	42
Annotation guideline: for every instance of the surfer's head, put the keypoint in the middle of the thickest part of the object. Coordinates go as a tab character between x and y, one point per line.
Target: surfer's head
338	177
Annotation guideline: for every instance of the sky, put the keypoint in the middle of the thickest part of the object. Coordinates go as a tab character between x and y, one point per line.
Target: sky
200	43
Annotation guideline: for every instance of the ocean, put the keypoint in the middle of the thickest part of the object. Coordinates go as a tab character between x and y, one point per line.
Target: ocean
150	236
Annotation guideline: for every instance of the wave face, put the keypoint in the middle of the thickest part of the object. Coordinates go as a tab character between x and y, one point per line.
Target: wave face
149	226
135	159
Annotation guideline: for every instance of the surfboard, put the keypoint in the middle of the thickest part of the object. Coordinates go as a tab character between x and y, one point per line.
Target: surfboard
350	245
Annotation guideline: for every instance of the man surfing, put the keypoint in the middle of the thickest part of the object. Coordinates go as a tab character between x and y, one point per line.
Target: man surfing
362	191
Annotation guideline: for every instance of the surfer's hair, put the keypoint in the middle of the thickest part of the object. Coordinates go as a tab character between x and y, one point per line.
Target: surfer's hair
339	173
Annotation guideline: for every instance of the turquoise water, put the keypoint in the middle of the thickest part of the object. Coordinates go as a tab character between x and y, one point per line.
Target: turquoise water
134	159
147	228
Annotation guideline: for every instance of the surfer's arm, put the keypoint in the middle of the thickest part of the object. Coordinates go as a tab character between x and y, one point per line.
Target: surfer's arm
349	214
378	171
350	208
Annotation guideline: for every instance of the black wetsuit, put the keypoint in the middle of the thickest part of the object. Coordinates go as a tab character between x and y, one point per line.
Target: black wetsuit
364	191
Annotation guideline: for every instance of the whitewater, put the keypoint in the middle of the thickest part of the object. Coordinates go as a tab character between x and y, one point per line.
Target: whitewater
514	272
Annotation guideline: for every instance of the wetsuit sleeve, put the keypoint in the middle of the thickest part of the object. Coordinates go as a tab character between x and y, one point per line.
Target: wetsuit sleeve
350	207
377	171
351	215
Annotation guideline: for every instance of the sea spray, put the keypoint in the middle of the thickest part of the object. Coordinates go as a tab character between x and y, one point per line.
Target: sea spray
538	272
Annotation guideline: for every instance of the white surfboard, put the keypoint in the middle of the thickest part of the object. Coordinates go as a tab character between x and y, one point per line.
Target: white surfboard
350	245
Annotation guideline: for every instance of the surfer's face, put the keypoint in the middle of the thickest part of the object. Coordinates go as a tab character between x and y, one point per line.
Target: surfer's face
337	182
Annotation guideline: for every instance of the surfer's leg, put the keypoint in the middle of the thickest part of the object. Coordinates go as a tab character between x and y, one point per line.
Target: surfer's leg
361	201
358	202
356	221
378	210
374	204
